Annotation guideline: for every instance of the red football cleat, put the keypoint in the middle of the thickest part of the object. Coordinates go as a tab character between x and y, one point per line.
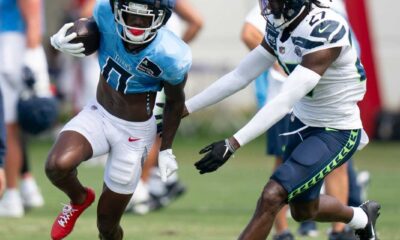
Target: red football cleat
65	221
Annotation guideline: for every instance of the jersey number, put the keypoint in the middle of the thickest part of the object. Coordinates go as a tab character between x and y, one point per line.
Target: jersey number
123	75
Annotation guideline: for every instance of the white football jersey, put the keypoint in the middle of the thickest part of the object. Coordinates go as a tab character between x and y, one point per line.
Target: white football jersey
333	102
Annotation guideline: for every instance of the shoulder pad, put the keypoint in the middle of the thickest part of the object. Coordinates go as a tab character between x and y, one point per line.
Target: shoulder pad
322	29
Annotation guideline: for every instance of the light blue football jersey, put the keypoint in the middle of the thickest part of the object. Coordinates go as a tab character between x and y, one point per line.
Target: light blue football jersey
11	19
167	58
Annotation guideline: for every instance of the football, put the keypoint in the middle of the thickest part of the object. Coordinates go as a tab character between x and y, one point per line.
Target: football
87	33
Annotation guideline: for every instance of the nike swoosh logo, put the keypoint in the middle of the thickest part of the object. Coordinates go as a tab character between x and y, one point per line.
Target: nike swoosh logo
132	139
226	151
323	29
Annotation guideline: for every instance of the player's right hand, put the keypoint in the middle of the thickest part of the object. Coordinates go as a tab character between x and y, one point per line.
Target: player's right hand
61	42
217	154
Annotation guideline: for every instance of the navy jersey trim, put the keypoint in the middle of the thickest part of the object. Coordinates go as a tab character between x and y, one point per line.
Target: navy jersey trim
339	35
360	70
305	43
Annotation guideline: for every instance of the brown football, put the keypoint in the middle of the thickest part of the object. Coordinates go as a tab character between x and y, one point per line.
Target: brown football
87	33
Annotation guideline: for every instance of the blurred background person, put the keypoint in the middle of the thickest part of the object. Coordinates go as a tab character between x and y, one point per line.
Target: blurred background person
2	146
267	86
151	193
21	29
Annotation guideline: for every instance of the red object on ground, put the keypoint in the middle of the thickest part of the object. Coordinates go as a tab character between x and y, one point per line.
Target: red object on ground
371	105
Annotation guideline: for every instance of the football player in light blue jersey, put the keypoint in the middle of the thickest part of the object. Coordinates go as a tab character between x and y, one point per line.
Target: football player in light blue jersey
137	58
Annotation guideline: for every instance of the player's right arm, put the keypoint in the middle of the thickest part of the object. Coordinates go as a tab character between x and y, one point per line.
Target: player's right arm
256	62
192	17
31	12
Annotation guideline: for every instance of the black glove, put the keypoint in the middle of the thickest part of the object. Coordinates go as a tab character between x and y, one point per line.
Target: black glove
218	153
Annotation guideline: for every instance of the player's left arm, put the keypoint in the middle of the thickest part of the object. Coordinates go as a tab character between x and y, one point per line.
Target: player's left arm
174	102
300	82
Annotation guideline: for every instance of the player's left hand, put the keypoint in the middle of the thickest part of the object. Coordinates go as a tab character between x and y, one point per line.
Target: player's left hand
217	154
167	164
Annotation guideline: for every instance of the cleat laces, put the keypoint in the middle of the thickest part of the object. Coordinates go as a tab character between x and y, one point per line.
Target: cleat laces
67	213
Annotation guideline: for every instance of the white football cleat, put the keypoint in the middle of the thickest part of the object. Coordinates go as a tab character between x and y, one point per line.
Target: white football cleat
30	193
11	204
138	203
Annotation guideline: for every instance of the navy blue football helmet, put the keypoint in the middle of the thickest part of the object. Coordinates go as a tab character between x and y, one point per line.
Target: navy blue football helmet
280	13
35	114
154	12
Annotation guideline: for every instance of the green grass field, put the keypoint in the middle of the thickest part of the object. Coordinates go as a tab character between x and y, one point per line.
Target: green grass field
217	206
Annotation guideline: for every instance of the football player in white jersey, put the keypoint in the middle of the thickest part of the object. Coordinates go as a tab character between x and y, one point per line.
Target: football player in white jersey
326	80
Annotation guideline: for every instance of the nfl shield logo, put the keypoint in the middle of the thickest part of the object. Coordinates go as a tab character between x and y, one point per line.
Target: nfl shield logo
282	50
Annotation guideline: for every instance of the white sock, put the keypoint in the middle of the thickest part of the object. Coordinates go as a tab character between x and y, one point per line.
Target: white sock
359	220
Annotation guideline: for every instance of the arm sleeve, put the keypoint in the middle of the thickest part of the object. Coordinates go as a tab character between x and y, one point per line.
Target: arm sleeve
300	82
255	63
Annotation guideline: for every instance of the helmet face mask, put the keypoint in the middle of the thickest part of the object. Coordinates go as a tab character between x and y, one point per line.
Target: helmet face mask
138	22
280	13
